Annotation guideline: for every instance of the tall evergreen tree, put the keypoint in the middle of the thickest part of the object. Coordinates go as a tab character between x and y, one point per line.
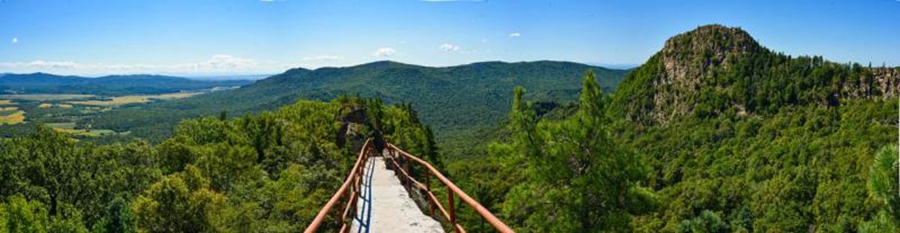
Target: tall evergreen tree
577	178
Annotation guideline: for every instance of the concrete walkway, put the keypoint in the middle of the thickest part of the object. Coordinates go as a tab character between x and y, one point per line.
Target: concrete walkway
391	209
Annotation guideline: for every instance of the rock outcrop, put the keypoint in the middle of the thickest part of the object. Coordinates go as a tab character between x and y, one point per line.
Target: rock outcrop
716	70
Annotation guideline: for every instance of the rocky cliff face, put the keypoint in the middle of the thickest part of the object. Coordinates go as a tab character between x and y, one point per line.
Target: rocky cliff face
884	83
715	70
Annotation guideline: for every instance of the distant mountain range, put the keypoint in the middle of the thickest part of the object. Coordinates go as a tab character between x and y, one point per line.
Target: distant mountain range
451	99
43	83
251	77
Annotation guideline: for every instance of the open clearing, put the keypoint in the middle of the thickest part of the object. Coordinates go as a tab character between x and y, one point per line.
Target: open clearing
69	128
12	119
63	125
6	102
92	133
49	105
134	99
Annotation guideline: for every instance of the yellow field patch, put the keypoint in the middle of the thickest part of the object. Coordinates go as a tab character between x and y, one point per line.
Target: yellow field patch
135	99
6	102
13	108
82	132
49	105
13	119
114	101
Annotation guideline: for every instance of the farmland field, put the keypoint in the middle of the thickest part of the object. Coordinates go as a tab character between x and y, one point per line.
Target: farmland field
70	128
134	99
49	105
64	125
69	113
13	118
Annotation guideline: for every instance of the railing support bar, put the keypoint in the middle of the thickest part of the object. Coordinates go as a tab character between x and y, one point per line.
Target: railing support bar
428	189
451	207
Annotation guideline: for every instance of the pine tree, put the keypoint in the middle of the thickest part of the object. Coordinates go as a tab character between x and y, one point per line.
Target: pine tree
883	186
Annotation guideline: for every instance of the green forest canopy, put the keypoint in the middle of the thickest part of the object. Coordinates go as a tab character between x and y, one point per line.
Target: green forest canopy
267	172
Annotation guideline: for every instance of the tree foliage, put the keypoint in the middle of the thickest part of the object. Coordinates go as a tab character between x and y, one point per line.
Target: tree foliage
884	188
572	175
269	172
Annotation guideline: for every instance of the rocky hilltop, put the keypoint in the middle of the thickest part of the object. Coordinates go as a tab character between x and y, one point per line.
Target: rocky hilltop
716	70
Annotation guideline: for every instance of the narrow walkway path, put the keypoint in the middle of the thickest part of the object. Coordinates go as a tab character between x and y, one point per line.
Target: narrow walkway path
391	209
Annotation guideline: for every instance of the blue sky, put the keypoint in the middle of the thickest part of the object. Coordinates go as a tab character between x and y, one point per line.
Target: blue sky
251	36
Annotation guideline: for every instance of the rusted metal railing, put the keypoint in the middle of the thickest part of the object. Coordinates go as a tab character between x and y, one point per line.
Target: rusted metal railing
401	161
350	191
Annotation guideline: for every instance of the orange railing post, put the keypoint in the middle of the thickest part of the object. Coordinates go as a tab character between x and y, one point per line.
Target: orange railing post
428	189
406	169
452	208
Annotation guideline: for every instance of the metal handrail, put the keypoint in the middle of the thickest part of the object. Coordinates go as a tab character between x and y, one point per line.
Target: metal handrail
448	214
351	190
352	179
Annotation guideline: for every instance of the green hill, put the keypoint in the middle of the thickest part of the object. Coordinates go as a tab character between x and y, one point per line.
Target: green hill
454	100
714	69
754	140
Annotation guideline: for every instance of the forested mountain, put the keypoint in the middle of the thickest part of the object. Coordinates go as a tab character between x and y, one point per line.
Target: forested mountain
757	140
728	137
42	83
714	69
454	100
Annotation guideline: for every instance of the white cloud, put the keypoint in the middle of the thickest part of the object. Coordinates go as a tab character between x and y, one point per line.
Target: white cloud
484	40
15	40
384	52
220	63
515	34
449	47
225	61
323	58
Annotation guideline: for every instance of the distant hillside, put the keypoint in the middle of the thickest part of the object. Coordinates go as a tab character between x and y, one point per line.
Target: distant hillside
251	77
107	85
450	99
